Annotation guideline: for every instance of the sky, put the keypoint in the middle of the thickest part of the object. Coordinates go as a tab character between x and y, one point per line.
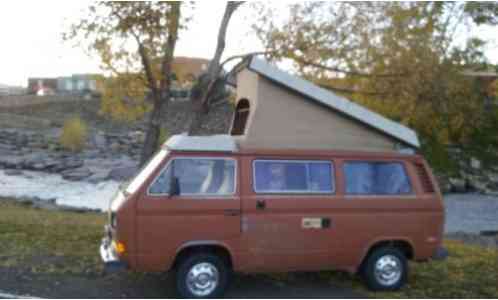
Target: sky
31	38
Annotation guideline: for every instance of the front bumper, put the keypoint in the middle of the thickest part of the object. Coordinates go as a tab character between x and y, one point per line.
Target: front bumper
441	253
110	258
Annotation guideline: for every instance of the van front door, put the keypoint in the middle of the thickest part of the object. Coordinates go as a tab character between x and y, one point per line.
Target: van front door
206	209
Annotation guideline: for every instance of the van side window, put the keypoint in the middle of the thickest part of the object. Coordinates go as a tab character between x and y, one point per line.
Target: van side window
376	178
198	176
293	176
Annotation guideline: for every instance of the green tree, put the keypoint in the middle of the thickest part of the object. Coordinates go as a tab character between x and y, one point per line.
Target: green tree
483	12
402	59
135	42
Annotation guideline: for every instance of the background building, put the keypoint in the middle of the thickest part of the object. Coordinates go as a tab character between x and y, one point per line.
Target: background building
42	86
76	84
80	84
7	90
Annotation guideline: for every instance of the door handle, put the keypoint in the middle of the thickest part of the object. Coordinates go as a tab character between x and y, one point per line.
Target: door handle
232	212
326	223
260	204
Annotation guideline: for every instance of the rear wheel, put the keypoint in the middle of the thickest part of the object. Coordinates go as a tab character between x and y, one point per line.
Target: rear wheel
386	269
202	275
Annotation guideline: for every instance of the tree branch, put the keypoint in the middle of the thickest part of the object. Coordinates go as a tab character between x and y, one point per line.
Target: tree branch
214	65
351	91
243	56
147	68
338	70
170	46
143	57
207	84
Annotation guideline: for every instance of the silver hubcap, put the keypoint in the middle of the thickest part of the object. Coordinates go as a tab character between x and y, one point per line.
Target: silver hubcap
202	279
388	270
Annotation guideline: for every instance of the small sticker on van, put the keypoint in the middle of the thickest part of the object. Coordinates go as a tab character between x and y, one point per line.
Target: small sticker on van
311	223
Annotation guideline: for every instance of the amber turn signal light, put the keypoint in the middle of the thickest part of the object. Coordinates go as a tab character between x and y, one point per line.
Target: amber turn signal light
120	247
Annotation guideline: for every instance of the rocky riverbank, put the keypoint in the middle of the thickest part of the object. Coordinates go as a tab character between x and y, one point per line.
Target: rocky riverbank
107	156
472	176
29	139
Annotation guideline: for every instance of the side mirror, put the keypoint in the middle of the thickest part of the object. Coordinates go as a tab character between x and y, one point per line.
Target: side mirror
174	187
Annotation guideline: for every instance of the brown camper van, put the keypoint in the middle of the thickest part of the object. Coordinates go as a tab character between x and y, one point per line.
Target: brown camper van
203	208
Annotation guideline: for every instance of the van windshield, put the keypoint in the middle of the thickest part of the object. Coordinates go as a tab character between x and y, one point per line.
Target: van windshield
144	173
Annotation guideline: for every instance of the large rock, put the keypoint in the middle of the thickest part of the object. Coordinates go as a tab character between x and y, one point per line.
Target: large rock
99	141
458	185
493	187
11	162
13	172
7	147
137	136
115	147
90	154
98	176
35	161
493	177
76	174
72	163
477	184
475	163
123	173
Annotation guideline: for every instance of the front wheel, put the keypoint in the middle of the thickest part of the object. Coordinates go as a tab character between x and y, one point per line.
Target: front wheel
202	275
386	269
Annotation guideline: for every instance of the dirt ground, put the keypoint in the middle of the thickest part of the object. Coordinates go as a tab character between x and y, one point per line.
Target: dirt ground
131	285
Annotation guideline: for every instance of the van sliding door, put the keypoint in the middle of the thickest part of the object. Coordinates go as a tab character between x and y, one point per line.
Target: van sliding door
287	221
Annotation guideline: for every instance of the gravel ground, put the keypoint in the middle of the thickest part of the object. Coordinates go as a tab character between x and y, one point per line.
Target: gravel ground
148	285
471	213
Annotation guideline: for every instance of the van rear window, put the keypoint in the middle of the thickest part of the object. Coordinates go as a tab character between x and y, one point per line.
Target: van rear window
293	176
376	178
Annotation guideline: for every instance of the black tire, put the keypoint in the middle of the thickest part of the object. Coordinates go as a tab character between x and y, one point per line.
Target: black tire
184	267
369	274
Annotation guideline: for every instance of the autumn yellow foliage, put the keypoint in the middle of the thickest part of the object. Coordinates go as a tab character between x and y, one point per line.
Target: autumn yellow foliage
74	134
123	98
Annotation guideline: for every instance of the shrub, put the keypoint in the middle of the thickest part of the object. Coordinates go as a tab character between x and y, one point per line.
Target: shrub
74	134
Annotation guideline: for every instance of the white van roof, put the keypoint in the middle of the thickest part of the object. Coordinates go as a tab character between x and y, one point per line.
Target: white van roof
218	143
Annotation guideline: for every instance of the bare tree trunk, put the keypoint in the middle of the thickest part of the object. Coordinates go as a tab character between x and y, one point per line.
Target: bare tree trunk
200	101
161	96
151	142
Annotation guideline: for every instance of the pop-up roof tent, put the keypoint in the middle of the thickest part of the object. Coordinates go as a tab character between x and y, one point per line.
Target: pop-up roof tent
275	110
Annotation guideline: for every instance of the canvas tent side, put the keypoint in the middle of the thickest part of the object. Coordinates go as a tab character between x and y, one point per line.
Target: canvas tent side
275	110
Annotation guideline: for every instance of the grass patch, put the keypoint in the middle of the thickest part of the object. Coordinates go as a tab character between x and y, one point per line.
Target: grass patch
49	241
469	272
61	242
